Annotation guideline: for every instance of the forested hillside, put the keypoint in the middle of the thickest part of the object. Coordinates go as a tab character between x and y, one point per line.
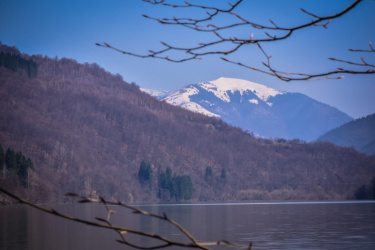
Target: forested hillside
359	134
87	131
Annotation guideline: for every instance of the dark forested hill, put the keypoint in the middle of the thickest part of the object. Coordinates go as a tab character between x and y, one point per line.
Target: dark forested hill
359	134
87	131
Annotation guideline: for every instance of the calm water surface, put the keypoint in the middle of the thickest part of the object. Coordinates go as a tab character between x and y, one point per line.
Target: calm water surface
268	225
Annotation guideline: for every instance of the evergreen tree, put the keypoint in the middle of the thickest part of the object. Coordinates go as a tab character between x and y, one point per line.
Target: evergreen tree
2	158
2	162
32	69
22	168
16	63
223	176
180	187
162	179
168	173
29	164
18	163
209	176
186	187
145	174
361	193
10	159
372	189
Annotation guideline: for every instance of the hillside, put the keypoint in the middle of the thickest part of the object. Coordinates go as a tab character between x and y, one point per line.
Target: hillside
359	134
87	131
266	112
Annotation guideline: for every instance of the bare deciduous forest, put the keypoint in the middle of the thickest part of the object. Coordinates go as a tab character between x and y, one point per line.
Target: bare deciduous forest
87	131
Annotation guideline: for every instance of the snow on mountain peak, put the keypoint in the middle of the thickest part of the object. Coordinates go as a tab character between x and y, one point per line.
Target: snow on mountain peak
250	106
156	93
222	86
182	98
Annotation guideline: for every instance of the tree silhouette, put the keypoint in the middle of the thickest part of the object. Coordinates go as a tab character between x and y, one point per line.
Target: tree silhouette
212	23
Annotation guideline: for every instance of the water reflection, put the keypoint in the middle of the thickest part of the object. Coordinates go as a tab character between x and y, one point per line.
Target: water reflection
10	219
268	226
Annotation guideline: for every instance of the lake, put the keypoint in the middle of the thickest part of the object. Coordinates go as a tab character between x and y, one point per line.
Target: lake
284	225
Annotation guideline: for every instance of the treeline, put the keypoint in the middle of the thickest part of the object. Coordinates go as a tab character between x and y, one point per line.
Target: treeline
170	186
17	163
366	192
17	63
177	187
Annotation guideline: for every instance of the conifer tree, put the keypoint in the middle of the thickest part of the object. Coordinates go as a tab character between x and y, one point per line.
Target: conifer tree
145	174
10	159
2	162
168	173
223	176
209	176
372	189
180	187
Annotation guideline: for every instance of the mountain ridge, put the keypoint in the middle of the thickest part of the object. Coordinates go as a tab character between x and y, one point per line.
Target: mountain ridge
257	108
359	134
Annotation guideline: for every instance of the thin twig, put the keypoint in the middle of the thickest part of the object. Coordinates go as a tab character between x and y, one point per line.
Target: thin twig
199	51
213	13
121	231
290	76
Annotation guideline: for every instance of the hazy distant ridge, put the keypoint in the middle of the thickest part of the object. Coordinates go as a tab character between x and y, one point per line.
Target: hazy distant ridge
359	134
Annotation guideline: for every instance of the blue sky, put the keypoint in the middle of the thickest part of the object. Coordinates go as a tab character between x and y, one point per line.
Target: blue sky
71	29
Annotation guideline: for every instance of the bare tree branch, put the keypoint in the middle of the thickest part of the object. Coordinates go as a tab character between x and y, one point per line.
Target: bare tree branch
289	76
272	33
361	50
121	231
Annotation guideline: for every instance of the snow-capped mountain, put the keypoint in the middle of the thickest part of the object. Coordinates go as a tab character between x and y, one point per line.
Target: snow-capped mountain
257	108
156	93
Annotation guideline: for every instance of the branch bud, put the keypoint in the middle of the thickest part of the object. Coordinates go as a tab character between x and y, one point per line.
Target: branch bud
370	45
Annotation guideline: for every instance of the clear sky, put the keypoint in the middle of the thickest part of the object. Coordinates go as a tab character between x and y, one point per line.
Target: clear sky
70	28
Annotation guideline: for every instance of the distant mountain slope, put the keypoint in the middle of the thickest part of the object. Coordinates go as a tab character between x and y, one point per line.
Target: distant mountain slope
359	134
87	131
254	107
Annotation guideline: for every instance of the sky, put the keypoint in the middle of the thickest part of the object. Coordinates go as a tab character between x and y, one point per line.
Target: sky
70	29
